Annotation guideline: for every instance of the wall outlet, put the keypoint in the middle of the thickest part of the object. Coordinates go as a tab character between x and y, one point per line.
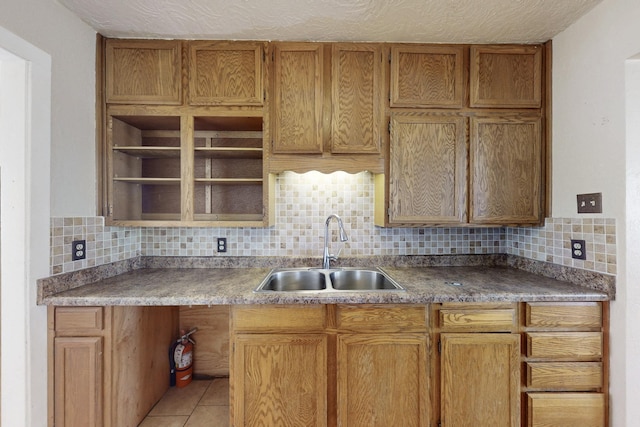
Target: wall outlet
78	250
590	203
222	244
578	249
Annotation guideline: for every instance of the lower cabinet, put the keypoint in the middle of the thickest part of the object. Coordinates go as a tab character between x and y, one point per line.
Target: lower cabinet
108	366
280	380
360	365
480	380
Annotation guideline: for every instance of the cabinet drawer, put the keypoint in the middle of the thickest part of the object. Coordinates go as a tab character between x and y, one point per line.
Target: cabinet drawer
490	319
267	318
565	409
564	315
78	320
576	376
552	345
376	318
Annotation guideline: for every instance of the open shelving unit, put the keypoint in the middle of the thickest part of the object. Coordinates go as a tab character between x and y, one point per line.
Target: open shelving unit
185	169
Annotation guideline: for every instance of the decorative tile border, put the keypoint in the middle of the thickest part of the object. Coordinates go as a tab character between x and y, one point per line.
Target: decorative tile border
304	201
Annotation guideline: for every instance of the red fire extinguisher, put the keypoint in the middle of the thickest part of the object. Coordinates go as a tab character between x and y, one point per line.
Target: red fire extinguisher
182	358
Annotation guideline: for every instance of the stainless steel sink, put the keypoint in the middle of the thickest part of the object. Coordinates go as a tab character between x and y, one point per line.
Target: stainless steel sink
361	280
328	280
294	280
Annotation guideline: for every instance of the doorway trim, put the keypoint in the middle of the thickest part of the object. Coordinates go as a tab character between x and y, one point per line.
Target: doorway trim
24	221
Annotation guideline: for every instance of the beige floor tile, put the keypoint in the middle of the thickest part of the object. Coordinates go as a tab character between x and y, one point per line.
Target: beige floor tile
217	394
180	401
165	421
209	416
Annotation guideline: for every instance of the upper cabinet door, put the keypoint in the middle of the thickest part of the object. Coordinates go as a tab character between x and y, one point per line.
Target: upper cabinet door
506	170
357	113
427	76
225	73
143	72
506	76
427	169
297	93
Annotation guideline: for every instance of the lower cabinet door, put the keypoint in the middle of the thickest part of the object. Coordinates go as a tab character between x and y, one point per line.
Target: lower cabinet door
565	409
382	380
279	380
78	381
480	380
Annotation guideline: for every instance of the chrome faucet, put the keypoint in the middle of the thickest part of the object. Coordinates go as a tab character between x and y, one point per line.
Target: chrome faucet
326	256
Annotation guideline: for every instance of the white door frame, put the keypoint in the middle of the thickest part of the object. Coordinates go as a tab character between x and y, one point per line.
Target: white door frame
25	134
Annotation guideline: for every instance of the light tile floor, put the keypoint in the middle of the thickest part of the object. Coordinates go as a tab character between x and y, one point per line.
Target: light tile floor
203	403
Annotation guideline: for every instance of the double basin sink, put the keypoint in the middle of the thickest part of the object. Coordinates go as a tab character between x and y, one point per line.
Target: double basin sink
328	280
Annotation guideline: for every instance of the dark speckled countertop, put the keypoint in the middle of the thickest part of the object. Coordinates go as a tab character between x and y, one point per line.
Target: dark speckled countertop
199	281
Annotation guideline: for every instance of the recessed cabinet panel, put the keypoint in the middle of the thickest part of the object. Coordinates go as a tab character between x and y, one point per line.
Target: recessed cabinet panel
280	380
427	76
480	380
506	76
356	78
382	380
143	72
566	409
506	170
78	381
297	98
225	73
428	158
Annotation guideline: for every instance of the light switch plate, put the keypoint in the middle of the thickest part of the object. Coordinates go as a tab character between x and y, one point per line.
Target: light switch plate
590	203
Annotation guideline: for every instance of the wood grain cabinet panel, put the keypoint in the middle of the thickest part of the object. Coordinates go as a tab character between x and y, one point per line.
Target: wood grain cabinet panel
297	98
279	380
576	376
78	381
427	76
225	73
558	345
506	170
480	380
382	380
563	315
78	321
427	169
381	317
477	320
143	72
566	409
357	104
506	76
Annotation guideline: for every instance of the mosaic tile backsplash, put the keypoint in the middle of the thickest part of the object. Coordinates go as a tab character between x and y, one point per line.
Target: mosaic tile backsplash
304	201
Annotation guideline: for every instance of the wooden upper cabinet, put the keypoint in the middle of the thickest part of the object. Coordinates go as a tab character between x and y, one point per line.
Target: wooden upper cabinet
143	72
297	92
356	89
506	76
506	170
427	76
225	73
427	169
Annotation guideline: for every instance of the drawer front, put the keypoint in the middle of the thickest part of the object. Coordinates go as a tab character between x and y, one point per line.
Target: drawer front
557	345
565	409
564	315
571	376
377	318
275	318
79	320
493	319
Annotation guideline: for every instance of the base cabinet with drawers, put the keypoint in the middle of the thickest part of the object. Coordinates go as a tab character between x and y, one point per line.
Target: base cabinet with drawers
498	364
448	365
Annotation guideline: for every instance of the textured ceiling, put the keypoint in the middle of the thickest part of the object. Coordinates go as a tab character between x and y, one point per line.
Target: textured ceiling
435	21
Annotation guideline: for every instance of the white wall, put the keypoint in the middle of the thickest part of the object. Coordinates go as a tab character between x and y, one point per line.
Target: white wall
71	44
589	143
